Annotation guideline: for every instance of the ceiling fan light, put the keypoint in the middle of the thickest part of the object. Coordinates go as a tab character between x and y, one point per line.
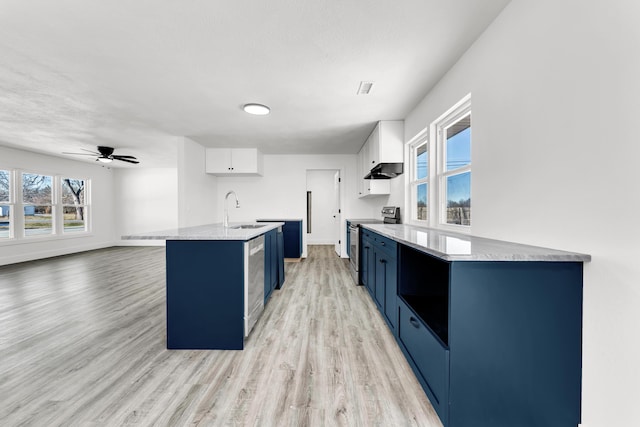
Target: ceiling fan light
104	159
256	109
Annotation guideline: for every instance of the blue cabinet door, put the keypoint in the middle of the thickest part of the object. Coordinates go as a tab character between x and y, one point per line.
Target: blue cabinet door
270	263
280	245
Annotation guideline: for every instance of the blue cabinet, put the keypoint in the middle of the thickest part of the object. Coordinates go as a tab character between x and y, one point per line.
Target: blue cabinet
292	236
205	294
493	343
367	265
380	273
270	263
280	245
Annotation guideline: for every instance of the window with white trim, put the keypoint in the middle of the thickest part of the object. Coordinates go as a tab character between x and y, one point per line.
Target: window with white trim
37	204
6	205
454	172
74	205
440	163
40	206
420	180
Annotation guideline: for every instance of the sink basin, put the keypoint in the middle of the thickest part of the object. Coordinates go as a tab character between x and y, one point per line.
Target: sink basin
246	226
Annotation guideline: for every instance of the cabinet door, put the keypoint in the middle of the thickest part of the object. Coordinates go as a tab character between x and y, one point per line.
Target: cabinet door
244	160
380	277
218	160
390	288
374	147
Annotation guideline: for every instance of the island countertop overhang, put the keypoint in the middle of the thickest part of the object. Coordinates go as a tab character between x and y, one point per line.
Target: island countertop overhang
208	232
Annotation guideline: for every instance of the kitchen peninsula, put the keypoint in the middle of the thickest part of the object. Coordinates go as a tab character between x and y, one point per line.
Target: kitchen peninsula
492	329
217	280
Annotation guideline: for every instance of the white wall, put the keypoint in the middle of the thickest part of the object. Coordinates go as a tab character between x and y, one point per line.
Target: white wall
555	90
282	191
323	225
101	211
146	199
197	190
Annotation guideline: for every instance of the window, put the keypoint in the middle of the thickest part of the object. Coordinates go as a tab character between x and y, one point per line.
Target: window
5	204
455	171
35	206
37	203
74	206
420	180
440	180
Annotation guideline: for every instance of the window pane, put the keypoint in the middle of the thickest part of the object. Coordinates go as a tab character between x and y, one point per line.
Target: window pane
4	186
5	212
459	144
74	218
36	189
72	191
459	199
422	165
421	199
37	220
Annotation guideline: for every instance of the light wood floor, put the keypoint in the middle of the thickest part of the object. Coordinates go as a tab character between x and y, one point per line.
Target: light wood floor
82	342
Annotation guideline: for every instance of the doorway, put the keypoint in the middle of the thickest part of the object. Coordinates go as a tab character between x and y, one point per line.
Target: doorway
323	208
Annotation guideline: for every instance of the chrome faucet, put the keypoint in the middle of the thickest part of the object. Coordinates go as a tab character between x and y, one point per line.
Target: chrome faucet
225	220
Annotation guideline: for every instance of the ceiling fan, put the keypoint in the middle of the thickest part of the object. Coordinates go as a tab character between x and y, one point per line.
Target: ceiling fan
105	155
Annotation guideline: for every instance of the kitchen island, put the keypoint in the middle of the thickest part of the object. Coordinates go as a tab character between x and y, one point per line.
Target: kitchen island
492	329
215	283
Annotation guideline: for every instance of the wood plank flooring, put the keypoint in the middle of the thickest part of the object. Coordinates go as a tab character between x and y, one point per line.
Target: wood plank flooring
82	343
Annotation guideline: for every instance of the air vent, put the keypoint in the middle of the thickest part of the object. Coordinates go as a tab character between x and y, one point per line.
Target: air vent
365	88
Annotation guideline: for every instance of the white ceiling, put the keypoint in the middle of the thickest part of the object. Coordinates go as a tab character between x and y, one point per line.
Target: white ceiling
140	75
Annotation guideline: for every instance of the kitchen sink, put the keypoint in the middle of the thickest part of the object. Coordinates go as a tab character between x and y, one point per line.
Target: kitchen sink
246	226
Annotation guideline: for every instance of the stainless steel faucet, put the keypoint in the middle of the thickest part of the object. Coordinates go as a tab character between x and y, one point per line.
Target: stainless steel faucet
225	220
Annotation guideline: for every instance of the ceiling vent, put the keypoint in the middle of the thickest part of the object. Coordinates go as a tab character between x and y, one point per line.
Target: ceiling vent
365	88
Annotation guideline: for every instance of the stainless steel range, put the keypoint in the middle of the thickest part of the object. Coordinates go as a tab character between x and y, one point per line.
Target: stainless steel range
390	215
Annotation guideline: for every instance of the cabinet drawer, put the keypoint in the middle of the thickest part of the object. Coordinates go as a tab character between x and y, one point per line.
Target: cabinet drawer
429	359
385	242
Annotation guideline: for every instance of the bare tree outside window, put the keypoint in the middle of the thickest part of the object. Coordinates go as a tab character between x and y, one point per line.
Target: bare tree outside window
37	204
74	204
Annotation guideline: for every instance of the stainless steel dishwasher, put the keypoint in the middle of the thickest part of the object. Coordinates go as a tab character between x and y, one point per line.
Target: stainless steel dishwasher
253	282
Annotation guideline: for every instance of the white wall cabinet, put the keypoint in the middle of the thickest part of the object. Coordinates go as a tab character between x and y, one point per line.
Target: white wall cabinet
386	142
384	145
234	161
369	187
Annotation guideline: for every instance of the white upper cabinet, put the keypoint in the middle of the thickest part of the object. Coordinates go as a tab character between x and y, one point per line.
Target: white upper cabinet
386	143
369	187
234	161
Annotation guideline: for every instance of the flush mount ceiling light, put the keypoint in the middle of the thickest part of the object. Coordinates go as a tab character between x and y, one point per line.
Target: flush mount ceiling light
256	109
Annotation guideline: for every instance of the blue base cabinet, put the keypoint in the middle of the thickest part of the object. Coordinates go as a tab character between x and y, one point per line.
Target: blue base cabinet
205	294
493	343
292	236
270	263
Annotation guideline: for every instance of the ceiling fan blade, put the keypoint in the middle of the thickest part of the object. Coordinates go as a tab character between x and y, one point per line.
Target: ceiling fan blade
90	151
117	156
81	154
125	160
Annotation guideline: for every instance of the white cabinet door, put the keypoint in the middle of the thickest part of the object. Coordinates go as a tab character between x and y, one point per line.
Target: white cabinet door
369	187
218	160
244	160
374	146
234	161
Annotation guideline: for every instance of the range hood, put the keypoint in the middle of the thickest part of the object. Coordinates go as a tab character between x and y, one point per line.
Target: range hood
385	171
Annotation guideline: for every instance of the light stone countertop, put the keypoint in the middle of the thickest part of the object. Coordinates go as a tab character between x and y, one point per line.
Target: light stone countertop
451	246
207	232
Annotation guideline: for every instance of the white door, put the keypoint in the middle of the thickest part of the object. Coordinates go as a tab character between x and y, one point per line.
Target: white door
337	211
324	211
